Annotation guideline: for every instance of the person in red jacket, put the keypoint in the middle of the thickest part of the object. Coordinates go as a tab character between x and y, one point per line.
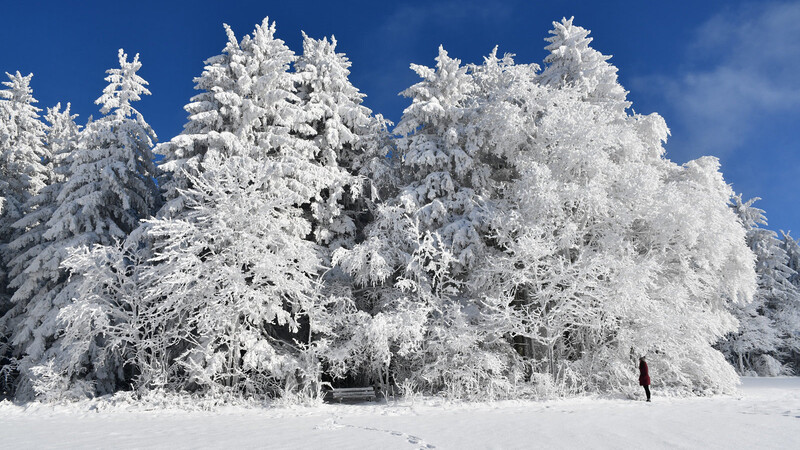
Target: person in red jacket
644	377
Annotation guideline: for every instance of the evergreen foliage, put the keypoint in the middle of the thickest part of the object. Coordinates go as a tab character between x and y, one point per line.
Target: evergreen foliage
23	165
108	187
791	328
572	62
257	192
767	334
24	172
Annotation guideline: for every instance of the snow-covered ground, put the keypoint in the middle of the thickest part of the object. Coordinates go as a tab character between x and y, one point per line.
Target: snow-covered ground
765	414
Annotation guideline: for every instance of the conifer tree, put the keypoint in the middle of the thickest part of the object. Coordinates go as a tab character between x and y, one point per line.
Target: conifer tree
23	173
23	159
427	239
792	248
237	126
791	327
247	106
23	152
109	189
213	111
29	271
260	141
753	348
345	134
573	62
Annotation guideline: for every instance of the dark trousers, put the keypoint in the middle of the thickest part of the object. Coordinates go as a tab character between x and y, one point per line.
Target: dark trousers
647	391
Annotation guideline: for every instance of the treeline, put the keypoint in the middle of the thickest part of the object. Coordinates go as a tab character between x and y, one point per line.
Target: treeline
519	232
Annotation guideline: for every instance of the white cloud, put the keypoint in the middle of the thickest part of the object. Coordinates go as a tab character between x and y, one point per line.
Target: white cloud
743	68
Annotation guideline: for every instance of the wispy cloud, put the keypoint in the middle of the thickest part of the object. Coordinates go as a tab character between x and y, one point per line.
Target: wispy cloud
742	68
409	21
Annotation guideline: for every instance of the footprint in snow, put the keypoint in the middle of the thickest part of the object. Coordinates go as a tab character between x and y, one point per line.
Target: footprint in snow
414	440
417	441
329	424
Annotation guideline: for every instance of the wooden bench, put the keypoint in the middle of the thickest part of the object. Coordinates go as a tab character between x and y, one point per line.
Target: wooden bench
358	393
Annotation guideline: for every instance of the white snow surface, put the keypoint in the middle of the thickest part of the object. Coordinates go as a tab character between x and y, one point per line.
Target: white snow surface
764	414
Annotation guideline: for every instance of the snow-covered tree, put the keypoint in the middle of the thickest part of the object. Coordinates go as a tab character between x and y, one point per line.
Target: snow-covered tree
792	248
216	109
572	62
60	141
110	188
345	135
239	267
447	184
240	121
314	114
261	142
247	106
753	348
125	337
426	240
24	156
791	328
606	253
23	164
705	267
23	173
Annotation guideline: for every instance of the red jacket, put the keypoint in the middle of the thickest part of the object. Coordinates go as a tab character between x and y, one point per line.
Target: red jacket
644	376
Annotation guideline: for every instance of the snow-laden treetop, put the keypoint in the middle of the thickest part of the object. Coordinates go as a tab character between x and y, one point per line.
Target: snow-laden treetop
124	87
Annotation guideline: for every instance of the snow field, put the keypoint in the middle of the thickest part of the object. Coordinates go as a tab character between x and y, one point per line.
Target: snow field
765	415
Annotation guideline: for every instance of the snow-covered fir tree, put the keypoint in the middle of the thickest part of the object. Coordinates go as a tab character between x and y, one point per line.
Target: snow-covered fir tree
23	173
247	106
345	135
792	248
109	188
60	140
23	164
573	62
262	142
791	343
24	155
426	240
754	343
111	184
753	348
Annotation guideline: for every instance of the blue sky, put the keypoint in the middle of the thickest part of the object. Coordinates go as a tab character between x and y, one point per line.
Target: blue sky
724	74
